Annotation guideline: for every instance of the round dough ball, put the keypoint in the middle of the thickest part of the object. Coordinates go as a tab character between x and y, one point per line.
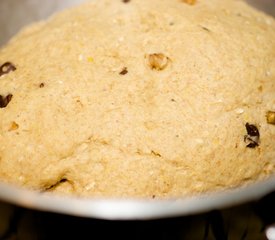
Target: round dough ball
140	98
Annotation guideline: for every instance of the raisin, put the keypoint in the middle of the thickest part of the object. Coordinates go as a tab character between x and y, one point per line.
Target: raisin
41	85
252	137
252	145
124	71
252	130
6	68
4	101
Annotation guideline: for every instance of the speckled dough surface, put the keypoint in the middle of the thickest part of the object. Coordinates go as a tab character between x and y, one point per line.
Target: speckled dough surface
140	98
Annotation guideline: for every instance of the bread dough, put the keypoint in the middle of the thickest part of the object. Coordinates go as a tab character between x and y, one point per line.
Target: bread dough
140	98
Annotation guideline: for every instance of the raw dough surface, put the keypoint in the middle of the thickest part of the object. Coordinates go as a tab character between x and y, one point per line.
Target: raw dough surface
147	98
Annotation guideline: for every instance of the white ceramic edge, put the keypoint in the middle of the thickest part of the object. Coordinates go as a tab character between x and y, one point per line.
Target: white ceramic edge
133	209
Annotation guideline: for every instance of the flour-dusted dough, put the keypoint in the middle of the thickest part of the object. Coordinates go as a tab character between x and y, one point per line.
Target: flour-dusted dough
140	98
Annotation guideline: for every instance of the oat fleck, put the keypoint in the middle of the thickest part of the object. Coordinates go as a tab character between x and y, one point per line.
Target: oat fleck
239	110
80	57
268	73
121	39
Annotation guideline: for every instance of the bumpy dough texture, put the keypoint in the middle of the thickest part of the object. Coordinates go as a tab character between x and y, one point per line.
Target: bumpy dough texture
177	130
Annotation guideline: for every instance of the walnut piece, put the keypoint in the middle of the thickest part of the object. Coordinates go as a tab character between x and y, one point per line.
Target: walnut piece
14	126
190	2
270	117
158	61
